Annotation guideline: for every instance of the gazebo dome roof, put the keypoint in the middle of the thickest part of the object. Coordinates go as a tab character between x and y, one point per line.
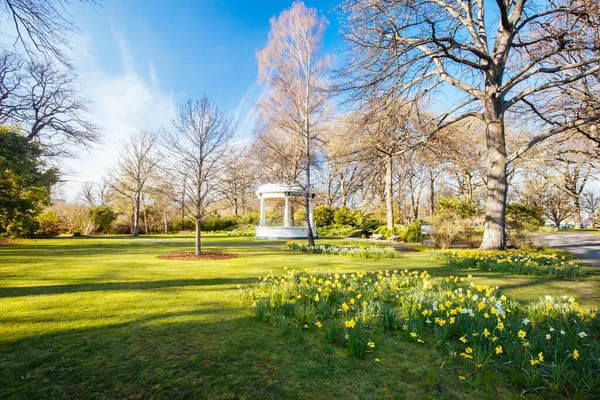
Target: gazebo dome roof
278	189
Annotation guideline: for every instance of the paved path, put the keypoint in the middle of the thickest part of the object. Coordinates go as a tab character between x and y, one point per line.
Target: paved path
586	246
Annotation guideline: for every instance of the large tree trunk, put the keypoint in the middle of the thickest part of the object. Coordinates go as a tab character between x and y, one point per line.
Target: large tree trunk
389	203
577	213
494	233
198	244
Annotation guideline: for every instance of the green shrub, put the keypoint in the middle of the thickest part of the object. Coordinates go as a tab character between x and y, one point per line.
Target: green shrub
183	225
413	232
410	233
453	221
370	226
48	223
300	216
76	234
216	224
334	230
343	216
249	219
323	215
102	217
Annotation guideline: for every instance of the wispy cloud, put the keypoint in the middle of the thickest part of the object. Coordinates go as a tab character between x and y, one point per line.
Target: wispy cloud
121	103
245	115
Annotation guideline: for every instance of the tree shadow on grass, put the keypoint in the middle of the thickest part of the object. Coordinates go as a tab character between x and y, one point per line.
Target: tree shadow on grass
117	286
210	353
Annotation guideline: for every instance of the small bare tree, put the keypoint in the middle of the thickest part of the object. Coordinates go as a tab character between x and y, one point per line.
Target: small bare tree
195	152
294	70
136	165
590	201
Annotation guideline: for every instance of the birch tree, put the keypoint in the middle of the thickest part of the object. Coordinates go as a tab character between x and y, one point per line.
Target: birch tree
294	70
195	149
424	48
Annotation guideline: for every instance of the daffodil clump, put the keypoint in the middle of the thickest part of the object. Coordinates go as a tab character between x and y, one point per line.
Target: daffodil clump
551	345
353	251
521	263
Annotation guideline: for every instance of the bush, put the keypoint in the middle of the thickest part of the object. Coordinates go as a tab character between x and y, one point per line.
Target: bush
335	230
76	234
344	216
521	218
324	215
215	224
102	217
413	232
183	225
370	226
410	233
48	223
300	216
242	230
249	219
452	221
25	226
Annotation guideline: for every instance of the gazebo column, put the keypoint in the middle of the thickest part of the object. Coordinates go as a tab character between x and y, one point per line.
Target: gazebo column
286	213
262	212
311	207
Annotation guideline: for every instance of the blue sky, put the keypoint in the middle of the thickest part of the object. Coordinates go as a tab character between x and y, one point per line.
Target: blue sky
139	60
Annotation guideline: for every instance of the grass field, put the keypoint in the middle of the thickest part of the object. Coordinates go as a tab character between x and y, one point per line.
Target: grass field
104	318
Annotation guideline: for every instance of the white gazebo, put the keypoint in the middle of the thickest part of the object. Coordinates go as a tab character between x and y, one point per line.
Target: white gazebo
288	228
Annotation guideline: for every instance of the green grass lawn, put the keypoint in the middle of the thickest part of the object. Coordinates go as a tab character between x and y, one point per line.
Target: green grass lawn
104	318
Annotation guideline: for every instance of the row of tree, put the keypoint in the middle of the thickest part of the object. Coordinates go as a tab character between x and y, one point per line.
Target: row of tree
430	101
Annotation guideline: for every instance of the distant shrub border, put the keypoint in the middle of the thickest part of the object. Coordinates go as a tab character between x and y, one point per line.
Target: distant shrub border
521	263
352	251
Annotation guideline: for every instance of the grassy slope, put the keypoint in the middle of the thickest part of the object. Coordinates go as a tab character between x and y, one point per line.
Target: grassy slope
106	318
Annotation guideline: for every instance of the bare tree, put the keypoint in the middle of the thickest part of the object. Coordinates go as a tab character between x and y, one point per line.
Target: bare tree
43	27
11	95
237	179
294	70
44	101
556	205
88	194
54	114
136	164
196	148
590	201
423	47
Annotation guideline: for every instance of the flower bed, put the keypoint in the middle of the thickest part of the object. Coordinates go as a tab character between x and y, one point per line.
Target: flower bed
352	251
550	345
522	263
